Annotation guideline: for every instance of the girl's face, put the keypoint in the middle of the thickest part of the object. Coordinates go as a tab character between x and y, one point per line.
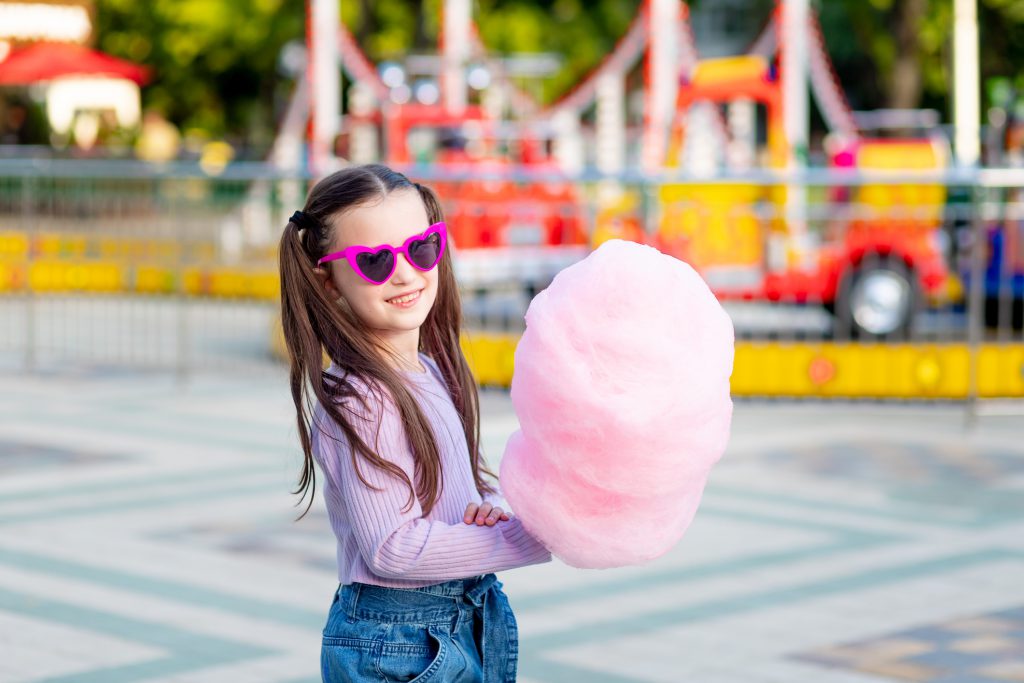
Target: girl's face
396	309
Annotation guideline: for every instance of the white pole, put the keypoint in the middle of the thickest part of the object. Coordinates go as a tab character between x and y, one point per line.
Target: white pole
610	127
568	141
966	88
362	137
796	121
456	54
742	145
325	74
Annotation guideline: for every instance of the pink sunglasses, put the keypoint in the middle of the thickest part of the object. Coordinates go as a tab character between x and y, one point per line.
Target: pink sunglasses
376	265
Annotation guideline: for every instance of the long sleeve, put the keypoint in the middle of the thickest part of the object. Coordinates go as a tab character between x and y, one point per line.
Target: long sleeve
406	545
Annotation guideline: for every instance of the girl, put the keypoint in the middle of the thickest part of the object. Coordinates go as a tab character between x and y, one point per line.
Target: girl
366	277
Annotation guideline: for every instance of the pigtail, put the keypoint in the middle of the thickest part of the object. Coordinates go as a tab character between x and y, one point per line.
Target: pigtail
299	291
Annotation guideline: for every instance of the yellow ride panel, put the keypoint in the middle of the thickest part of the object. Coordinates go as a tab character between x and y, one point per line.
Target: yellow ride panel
913	202
728	70
712	225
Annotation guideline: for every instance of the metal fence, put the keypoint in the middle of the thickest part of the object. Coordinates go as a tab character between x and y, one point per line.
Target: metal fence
114	265
888	285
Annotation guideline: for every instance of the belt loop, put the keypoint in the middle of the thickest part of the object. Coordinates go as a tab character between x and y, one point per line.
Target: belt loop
350	609
475	594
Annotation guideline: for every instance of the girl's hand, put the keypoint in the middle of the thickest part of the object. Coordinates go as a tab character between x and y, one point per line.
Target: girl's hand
484	514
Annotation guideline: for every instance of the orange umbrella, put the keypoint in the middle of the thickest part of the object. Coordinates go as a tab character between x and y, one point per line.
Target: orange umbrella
47	61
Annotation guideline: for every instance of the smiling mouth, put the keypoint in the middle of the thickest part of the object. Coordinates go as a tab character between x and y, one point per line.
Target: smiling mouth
407	300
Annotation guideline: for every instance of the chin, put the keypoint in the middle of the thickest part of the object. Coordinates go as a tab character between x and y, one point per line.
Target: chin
407	324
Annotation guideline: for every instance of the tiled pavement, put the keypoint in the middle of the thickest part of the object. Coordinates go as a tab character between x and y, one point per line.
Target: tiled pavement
146	534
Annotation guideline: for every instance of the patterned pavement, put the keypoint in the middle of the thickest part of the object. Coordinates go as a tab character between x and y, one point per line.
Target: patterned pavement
147	534
985	648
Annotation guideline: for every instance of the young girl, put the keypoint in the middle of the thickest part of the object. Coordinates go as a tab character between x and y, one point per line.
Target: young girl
367	278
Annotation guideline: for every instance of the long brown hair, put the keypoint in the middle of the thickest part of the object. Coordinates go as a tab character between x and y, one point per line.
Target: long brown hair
315	324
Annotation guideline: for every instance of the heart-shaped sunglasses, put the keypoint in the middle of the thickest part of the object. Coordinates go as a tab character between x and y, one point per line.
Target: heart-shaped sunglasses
376	265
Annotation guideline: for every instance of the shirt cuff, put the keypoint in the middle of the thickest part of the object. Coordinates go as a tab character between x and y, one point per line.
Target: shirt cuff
496	500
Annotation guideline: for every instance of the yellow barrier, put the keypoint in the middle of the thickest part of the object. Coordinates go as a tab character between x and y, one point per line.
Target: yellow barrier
58	275
154	280
852	370
827	369
13	245
68	276
809	370
876	370
50	262
490	357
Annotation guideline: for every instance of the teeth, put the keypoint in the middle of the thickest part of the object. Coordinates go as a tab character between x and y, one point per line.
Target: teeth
405	299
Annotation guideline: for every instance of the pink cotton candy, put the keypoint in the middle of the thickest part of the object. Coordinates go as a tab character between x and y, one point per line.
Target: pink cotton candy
621	386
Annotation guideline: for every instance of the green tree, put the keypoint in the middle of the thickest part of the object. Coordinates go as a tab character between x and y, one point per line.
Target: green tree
214	63
898	53
215	67
582	33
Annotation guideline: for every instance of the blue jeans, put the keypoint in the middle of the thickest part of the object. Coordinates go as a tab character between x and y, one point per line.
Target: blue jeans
453	632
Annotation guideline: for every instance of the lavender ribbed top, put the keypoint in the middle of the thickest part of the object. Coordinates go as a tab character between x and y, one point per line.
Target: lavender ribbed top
377	542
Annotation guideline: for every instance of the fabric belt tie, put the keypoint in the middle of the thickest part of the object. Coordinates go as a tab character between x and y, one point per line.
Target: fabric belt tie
495	633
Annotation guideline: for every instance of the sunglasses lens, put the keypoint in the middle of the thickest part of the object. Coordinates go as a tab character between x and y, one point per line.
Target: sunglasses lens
376	266
425	253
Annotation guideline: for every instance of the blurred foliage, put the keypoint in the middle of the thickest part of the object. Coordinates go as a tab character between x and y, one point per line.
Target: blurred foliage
586	30
900	52
216	62
581	33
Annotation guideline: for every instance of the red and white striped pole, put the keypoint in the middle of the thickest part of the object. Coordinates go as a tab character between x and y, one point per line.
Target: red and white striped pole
662	71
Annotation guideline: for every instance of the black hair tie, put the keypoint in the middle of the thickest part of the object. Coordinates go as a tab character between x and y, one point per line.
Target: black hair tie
304	221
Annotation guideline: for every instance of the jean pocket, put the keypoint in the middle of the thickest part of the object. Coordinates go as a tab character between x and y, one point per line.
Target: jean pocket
413	653
344	631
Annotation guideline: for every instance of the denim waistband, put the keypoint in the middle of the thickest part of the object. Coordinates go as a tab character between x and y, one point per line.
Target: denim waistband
437	603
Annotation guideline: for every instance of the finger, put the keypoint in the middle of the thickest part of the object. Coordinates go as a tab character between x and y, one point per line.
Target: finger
494	516
470	513
482	512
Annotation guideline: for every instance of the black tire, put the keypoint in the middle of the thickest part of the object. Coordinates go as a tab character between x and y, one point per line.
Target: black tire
877	300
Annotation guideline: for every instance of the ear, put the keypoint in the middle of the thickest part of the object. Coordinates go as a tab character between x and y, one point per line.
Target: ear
323	273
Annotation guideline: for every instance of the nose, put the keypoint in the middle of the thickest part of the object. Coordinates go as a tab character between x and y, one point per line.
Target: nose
405	272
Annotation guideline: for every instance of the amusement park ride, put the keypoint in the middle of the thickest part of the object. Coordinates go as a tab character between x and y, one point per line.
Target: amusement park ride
515	215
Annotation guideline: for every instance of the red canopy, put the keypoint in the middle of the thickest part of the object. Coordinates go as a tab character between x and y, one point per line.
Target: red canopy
46	61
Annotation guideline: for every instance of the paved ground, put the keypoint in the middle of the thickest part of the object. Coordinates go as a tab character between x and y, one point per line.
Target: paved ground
146	534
